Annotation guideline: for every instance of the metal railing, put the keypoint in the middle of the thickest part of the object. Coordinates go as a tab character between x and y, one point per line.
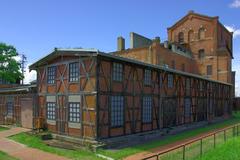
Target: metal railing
197	147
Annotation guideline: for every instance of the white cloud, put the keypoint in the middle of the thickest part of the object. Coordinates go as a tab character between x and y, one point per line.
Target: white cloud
29	76
235	4
236	31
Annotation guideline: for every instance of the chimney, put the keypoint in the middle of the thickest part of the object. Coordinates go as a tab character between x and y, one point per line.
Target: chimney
157	39
165	44
120	44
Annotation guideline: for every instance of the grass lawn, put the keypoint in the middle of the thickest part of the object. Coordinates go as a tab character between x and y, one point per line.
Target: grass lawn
121	153
229	150
4	156
3	128
36	142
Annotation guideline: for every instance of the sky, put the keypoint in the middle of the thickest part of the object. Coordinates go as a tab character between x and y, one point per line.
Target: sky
36	27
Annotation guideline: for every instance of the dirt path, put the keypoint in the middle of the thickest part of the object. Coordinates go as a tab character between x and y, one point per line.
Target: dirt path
160	149
21	151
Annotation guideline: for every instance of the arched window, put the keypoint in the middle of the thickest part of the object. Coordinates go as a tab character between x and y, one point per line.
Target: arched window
201	33
190	36
181	37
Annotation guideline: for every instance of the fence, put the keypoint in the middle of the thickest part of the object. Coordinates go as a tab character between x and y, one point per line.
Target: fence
195	148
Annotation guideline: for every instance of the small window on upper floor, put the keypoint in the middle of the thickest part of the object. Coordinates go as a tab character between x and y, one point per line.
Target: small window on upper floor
209	70
201	54
117	74
147	77
190	36
74	72
51	75
201	33
181	37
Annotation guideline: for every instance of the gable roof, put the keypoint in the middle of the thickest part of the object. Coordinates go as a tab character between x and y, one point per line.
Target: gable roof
63	52
192	13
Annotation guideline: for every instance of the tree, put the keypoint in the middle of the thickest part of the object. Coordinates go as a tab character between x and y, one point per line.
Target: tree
9	67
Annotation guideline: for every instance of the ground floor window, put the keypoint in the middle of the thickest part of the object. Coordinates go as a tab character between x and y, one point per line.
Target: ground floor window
187	107
147	109
74	112
10	108
117	113
51	108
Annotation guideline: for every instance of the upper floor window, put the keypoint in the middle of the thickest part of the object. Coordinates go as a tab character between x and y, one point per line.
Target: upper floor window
74	72
181	37
117	72
190	36
117	112
209	69
170	80
147	77
147	109
201	33
51	75
201	54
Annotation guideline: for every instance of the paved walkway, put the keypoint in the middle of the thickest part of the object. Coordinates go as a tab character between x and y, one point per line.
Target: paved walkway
21	151
161	149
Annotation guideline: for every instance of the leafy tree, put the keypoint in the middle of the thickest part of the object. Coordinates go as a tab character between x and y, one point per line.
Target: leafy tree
9	67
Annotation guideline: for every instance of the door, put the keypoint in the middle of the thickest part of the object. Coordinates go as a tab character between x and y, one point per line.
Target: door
27	113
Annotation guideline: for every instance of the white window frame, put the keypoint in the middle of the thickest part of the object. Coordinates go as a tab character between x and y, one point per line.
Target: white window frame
74	72
51	74
74	112
51	110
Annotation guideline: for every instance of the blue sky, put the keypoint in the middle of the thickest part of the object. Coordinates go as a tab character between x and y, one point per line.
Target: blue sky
36	27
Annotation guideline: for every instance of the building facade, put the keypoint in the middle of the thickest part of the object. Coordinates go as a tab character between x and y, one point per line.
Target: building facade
93	95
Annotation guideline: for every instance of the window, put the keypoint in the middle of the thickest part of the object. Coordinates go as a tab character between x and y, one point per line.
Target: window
170	80
201	33
173	64
74	112
10	108
147	77
51	110
74	72
187	107
117	112
209	69
190	36
181	37
117	72
147	109
183	67
51	75
201	54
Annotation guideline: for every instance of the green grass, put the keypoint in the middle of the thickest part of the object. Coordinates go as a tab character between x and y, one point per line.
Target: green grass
34	141
4	156
229	150
3	128
121	153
